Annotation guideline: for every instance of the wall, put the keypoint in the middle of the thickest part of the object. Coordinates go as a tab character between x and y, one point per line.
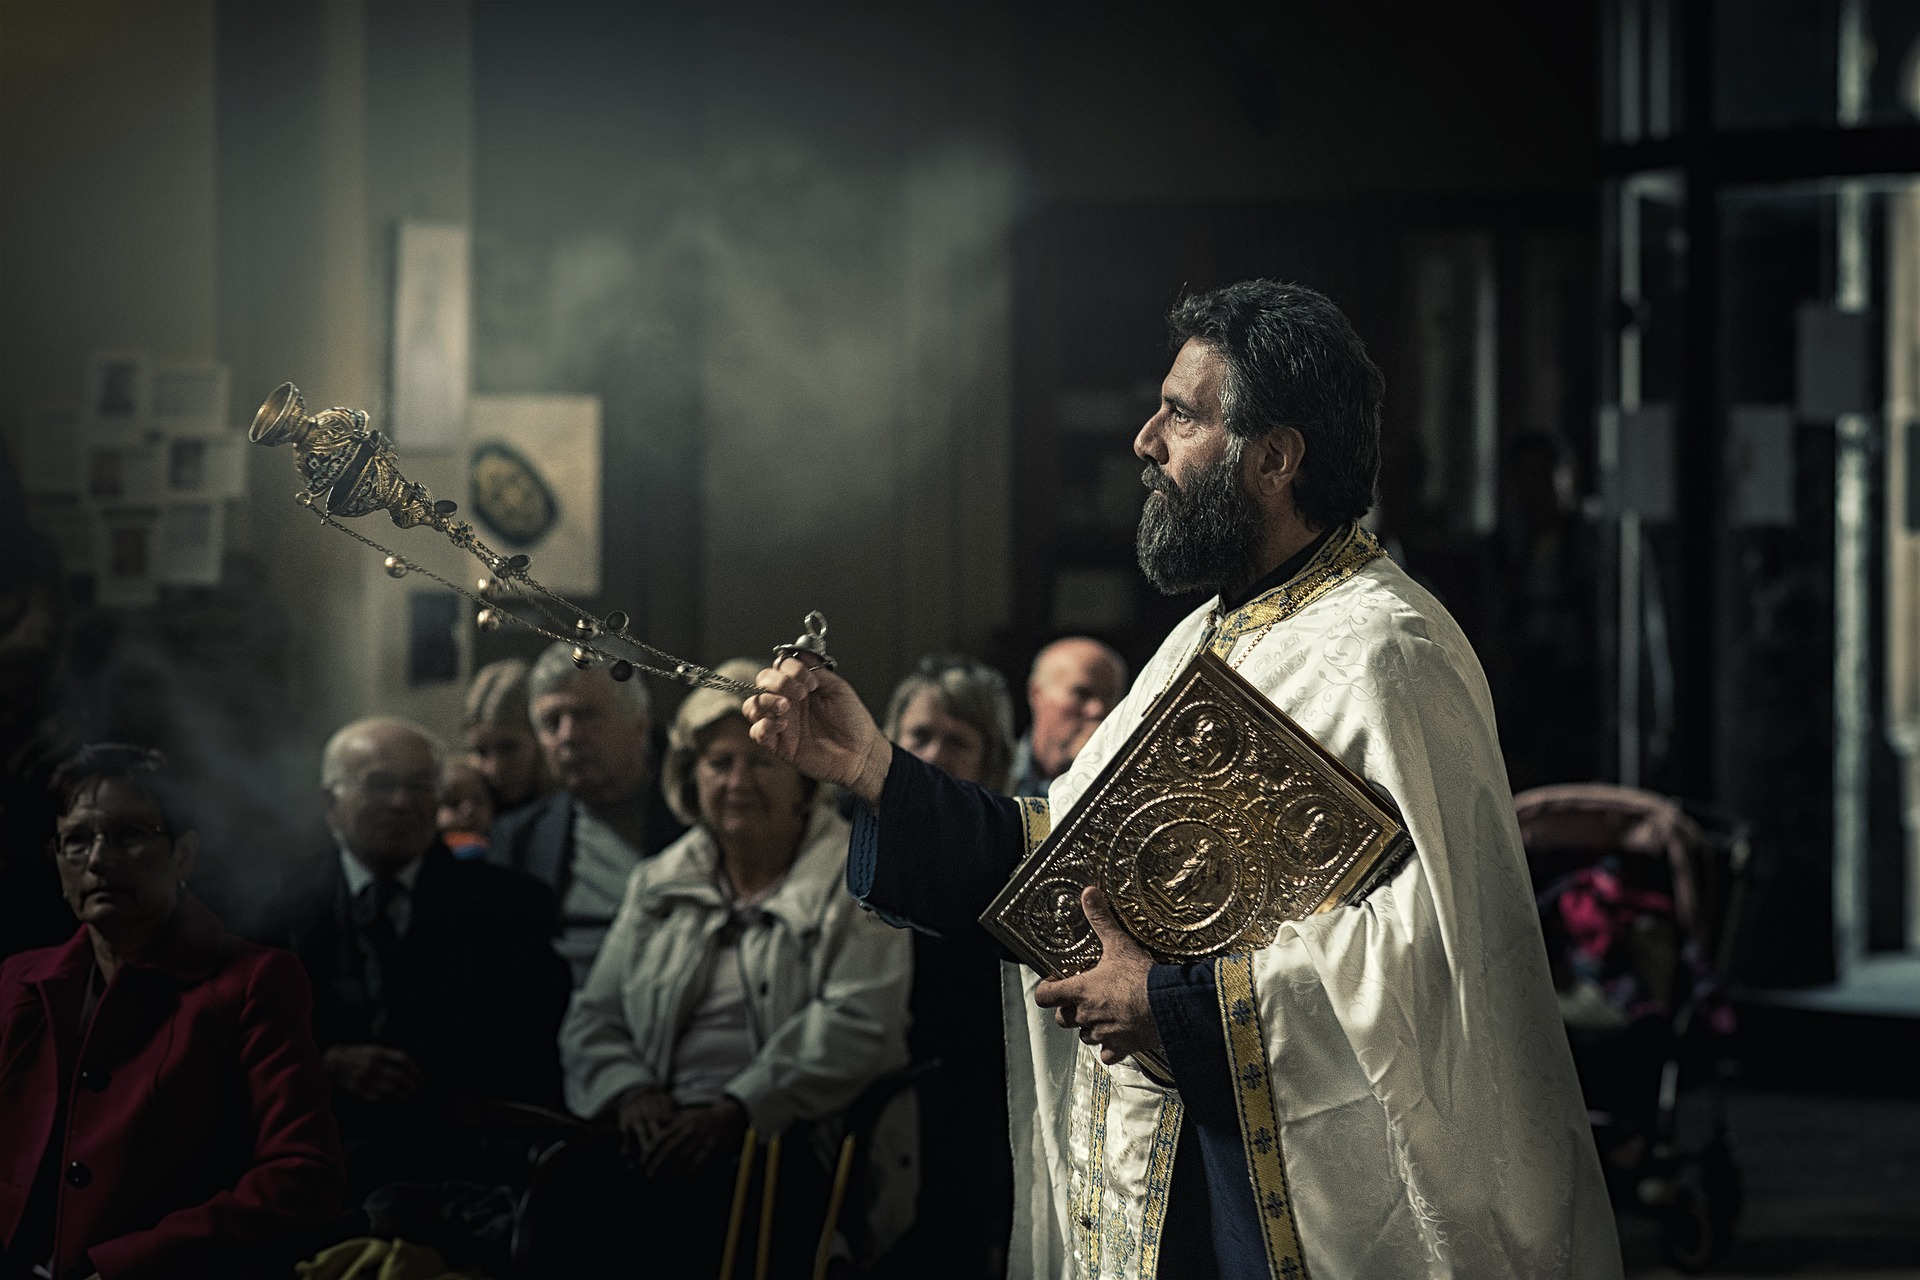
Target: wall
775	240
107	150
857	317
312	186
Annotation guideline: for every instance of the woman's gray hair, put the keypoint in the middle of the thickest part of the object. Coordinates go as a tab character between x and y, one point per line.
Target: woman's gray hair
555	669
974	694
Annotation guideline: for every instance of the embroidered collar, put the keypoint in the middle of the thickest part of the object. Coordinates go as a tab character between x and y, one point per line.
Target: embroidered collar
1340	556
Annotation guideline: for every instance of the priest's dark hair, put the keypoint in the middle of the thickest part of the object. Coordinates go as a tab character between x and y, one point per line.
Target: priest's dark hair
1293	360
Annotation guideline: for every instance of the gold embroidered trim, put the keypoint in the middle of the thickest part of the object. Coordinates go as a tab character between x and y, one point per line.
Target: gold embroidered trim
1259	1128
1166	1140
1341	558
1036	820
1091	1216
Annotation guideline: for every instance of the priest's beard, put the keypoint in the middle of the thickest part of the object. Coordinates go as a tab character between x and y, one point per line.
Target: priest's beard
1206	537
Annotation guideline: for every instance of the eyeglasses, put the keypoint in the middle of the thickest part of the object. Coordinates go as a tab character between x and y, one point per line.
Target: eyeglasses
123	840
385	784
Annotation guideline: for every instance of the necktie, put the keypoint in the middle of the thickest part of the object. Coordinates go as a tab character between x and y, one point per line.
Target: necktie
377	936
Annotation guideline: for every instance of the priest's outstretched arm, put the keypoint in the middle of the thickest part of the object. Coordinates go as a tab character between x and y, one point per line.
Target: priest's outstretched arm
929	852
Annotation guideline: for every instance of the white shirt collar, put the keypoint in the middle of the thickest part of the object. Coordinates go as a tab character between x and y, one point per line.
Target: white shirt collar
359	876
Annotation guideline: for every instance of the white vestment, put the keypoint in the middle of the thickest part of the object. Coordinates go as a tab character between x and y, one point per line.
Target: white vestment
1430	1120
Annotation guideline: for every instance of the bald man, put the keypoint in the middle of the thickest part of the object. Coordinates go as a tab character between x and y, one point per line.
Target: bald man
433	979
1073	684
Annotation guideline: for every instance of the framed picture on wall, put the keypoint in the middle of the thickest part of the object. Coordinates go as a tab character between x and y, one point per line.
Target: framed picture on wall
533	483
126	573
118	389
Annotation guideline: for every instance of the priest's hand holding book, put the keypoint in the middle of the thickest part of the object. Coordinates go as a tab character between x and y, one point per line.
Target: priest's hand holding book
1109	1001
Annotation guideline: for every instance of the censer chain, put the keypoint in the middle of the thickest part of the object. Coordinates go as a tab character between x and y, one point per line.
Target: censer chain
681	672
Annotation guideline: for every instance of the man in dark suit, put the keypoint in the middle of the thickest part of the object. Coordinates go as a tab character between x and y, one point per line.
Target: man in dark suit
584	840
434	980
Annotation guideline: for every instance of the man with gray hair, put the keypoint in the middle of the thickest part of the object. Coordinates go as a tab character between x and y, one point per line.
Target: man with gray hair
432	978
585	839
1074	683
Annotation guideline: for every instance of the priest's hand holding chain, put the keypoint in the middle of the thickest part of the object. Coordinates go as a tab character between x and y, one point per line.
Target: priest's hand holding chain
813	720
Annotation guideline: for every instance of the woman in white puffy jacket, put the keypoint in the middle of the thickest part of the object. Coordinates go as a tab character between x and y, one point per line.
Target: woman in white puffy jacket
741	985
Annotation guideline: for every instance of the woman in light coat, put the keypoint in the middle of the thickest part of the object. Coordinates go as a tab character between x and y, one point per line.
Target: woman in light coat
740	985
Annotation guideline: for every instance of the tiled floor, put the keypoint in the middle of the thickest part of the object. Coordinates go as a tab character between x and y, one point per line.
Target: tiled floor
1832	1190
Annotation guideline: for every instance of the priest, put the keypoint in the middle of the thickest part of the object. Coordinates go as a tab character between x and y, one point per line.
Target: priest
1382	1091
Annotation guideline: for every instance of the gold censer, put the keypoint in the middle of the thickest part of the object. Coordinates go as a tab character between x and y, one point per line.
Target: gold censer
351	470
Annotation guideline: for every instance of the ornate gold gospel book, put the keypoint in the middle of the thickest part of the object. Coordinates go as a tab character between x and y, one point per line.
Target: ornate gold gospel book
1219	819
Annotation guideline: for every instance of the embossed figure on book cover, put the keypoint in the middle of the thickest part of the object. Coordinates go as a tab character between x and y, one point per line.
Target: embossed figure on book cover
1219	819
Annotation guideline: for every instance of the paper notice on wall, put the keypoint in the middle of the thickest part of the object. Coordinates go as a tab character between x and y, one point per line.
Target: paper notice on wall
431	337
190	399
190	542
50	452
127	569
533	483
206	467
1760	465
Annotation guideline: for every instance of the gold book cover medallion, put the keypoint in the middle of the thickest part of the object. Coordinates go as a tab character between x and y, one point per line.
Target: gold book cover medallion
1219	819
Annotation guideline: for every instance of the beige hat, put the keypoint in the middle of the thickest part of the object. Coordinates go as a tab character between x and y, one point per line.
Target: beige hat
702	709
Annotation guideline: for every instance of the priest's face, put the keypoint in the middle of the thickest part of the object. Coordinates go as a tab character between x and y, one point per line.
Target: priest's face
1200	529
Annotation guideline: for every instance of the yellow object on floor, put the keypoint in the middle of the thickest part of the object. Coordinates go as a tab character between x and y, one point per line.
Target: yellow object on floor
366	1258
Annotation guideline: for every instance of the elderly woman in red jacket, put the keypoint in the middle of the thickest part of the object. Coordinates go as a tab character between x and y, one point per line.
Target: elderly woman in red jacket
163	1106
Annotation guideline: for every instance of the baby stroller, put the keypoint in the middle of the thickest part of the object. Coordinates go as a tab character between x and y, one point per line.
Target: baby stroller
1638	897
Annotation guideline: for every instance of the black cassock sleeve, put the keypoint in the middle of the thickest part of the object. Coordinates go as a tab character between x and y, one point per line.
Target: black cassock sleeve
931	857
934	852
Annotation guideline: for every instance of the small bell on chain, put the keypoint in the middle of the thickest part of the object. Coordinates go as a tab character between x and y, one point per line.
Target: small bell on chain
621	670
487	619
396	567
584	630
581	658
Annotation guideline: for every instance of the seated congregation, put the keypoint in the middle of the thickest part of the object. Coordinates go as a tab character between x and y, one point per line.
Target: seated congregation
538	1007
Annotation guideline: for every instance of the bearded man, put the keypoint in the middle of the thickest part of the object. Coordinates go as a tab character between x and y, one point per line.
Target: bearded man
1382	1091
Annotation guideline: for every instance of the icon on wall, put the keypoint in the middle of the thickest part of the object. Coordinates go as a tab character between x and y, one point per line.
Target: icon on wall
117	388
533	481
509	495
